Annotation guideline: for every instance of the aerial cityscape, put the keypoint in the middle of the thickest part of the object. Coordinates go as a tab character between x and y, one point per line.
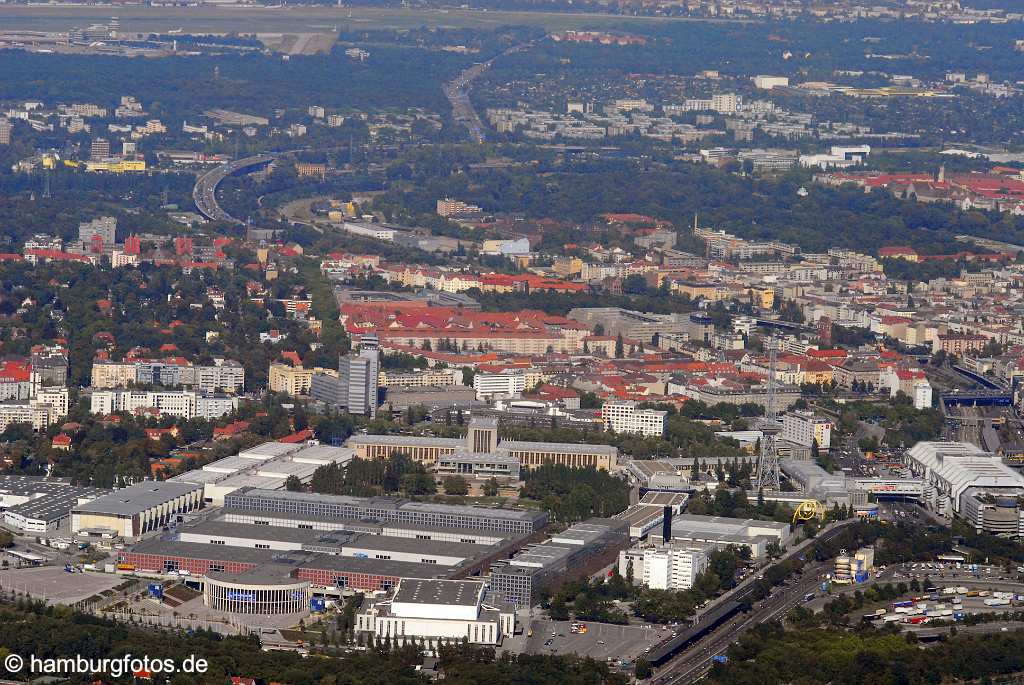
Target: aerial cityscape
514	342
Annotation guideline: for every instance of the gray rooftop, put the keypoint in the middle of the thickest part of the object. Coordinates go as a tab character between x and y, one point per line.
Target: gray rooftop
137	498
337	539
406	441
451	592
396	503
51	499
562	447
265	574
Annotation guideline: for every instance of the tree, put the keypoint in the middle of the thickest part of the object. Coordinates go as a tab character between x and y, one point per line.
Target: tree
456	485
293	484
619	348
558	611
643	669
490	488
418	484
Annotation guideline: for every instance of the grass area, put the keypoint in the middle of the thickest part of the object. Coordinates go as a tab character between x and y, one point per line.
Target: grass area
293	635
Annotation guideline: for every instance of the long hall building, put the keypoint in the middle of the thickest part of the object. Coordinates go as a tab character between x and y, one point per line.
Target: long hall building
482	437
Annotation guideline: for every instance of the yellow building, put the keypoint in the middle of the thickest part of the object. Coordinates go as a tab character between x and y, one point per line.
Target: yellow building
291	380
568	267
112	374
763	297
117	166
707	291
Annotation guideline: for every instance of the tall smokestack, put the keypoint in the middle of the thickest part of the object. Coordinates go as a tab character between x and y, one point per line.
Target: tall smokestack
666	526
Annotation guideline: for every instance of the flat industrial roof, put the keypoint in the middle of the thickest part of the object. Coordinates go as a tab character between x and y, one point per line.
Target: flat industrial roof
229	465
56	503
451	592
396	503
269	450
337	538
137	498
664	499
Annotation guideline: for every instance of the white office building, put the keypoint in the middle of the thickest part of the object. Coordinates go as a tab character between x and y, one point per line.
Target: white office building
804	428
624	417
674	566
505	384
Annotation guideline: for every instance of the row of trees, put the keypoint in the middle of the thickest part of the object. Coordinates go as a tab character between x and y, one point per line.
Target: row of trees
50	632
770	654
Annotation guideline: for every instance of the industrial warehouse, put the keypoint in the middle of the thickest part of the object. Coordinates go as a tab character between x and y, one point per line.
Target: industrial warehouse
265	466
36	505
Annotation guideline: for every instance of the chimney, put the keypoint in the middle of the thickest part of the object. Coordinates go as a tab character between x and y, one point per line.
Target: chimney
666	526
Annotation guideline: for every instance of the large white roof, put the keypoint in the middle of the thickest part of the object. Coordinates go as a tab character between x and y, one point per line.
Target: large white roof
962	466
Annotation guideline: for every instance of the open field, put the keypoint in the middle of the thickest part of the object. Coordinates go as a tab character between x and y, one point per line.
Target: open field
138	19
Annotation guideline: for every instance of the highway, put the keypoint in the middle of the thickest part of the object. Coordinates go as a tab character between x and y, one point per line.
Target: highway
695	662
457	92
204	194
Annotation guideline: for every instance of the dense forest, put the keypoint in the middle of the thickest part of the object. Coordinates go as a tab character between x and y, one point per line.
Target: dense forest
770	654
768	208
180	88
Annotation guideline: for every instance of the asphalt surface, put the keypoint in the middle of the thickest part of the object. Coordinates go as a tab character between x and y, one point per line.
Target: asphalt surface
457	92
205	191
602	640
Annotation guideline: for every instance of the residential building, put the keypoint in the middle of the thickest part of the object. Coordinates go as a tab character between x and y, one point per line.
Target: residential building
187	405
103	228
624	417
804	428
291	380
99	149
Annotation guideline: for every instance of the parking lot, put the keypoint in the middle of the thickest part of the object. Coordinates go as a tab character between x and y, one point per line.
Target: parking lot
57	586
601	640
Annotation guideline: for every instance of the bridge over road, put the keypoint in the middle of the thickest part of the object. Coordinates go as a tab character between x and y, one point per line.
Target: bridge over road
204	194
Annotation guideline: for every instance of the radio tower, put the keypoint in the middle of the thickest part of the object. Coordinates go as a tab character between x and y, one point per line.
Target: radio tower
768	460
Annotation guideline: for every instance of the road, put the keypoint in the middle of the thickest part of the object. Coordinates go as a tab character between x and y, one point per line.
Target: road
694	662
457	92
205	191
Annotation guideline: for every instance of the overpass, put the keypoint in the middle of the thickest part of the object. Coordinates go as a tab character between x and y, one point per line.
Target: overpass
977	378
787	326
204	194
977	398
889	487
